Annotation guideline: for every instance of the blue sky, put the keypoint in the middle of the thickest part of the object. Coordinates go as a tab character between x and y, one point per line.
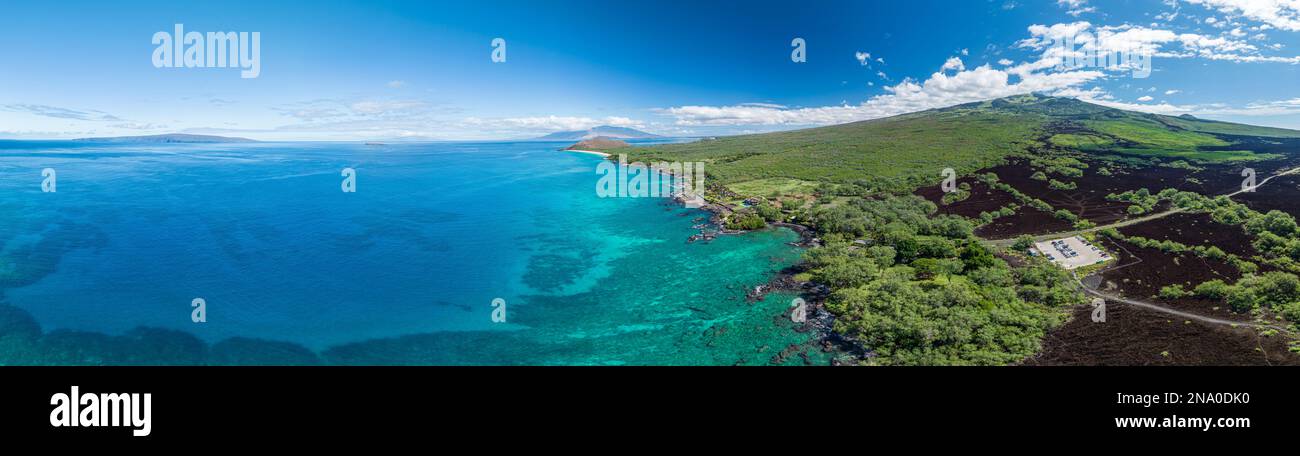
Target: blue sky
334	70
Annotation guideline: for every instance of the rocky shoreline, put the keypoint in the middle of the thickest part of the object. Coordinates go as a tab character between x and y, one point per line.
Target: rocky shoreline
819	321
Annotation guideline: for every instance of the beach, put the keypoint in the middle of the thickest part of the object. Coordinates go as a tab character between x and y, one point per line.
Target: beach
592	152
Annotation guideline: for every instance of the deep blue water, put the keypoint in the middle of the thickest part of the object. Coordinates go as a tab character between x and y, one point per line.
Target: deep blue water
435	231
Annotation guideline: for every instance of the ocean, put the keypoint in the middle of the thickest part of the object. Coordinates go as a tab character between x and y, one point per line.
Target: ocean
405	270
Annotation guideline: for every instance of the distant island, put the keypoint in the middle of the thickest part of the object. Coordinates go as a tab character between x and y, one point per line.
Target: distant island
605	131
172	138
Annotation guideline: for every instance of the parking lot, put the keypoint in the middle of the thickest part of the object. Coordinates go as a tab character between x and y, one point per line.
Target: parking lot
1072	252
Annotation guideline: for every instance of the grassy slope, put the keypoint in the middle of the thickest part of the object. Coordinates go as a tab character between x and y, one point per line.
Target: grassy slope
903	152
1228	128
896	152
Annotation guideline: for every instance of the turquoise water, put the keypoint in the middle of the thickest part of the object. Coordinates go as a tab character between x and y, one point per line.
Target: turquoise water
403	271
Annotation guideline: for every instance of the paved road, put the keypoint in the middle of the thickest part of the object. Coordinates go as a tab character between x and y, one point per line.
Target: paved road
1123	223
1159	308
1091	290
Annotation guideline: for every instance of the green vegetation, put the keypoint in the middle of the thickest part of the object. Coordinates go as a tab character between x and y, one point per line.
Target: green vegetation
768	212
915	288
991	180
776	185
1274	290
1274	234
1142	199
1148	134
986	218
1168	246
1058	185
1174	291
1227	128
1084	142
962	194
897	153
1181	164
1058	164
926	291
745	220
1023	243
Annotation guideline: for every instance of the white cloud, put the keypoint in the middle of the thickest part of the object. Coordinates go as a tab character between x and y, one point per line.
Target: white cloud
60	113
1143	40
864	58
940	90
1283	14
1257	109
383	107
1173	92
549	123
953	63
139	126
1076	7
396	84
955	84
355	109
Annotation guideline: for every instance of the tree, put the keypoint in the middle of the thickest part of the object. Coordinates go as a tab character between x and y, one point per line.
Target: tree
1275	221
1174	291
1240	299
1291	311
975	256
1023	242
1273	288
768	212
1212	289
745	220
844	272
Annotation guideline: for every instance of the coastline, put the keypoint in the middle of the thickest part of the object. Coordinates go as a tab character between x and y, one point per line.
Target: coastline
819	321
592	152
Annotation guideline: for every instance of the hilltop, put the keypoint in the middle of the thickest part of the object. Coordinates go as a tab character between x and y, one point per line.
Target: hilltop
907	151
597	143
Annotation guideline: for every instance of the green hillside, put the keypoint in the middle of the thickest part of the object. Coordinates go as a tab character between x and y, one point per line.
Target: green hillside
904	152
